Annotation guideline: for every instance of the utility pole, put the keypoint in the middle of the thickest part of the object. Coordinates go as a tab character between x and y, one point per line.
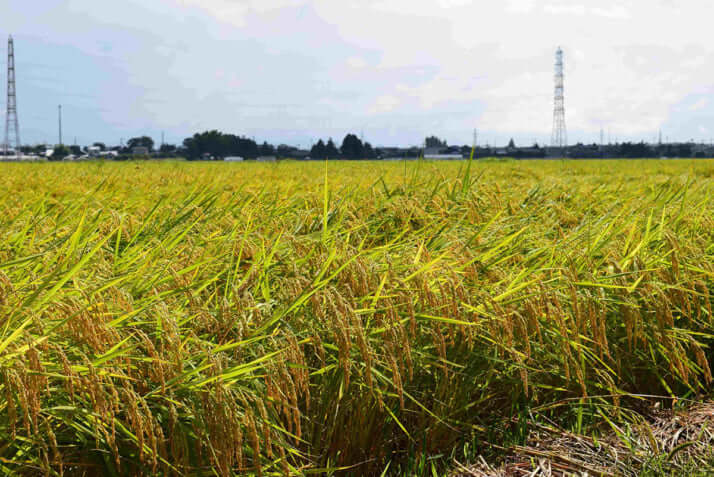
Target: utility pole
12	127
59	116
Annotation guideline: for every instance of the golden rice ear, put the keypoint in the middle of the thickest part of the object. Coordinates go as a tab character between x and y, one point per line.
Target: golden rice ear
219	330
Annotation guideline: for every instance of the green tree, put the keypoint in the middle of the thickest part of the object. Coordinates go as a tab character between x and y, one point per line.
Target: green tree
369	152
59	153
433	141
143	141
167	149
319	150
285	151
267	149
331	150
352	147
217	144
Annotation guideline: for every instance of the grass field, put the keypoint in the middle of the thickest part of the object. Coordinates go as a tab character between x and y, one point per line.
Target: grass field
269	319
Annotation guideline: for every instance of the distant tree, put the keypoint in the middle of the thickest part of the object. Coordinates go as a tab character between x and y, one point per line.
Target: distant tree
59	153
217	144
352	147
414	152
267	149
319	150
433	141
369	152
167	149
100	145
76	150
331	151
511	144
639	150
284	151
143	141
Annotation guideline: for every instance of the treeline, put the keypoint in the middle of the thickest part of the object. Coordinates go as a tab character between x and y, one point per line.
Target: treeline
215	144
352	148
635	150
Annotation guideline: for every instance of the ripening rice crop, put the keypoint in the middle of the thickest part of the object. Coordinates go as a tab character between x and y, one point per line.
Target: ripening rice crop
310	318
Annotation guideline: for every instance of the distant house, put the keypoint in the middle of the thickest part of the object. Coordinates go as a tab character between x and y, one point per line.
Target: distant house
93	151
290	152
140	151
441	153
233	159
267	159
556	152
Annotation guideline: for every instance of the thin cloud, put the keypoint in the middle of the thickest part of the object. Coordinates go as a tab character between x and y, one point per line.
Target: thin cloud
398	69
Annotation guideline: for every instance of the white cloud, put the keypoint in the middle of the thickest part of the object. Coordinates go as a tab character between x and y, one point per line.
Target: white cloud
521	6
614	11
357	62
623	76
415	66
566	9
384	104
236	10
701	104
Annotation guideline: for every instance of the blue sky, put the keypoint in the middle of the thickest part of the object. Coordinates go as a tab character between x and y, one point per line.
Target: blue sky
294	70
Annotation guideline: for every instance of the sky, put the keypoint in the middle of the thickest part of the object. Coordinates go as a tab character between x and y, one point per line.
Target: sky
394	71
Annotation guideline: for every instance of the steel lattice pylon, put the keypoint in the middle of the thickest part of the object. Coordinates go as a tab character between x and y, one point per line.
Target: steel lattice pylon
12	127
560	133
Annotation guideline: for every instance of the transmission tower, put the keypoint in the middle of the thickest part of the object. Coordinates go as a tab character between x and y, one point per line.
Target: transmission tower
12	128
560	134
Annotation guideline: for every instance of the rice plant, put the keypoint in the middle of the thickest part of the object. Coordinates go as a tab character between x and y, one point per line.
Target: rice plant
340	318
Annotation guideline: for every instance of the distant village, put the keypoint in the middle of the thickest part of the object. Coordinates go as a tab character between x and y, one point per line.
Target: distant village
213	145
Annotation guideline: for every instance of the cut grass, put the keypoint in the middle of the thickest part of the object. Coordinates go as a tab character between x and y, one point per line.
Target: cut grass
308	318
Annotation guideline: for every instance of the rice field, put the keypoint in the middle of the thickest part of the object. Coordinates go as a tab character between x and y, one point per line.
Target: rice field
342	318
